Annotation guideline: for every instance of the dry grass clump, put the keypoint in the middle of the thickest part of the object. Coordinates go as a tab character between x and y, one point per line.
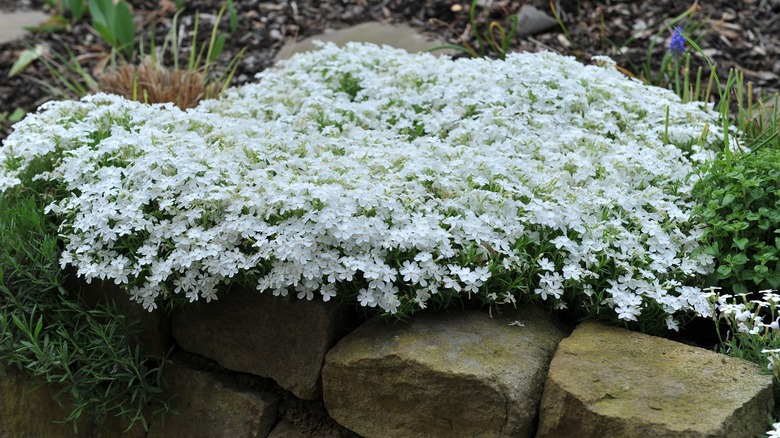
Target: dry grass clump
150	82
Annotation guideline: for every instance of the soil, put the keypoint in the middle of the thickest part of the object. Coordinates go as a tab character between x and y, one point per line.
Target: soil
743	34
733	34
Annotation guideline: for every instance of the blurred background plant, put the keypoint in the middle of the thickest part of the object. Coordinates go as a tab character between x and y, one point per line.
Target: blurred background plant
136	71
492	41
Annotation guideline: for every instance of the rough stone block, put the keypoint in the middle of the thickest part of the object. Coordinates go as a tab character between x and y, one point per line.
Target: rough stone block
30	410
442	375
248	331
610	382
208	405
155	328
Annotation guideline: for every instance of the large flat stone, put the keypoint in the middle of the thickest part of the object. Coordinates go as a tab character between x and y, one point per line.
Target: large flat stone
209	405
444	375
251	332
610	382
401	36
12	24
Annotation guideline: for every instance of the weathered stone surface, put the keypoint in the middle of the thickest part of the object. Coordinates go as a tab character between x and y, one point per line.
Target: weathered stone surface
609	382
155	328
30	410
531	21
444	375
209	405
285	430
12	24
265	335
401	36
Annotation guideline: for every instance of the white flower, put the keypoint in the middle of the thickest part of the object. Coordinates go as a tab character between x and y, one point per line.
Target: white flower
672	324
573	272
298	183
545	264
775	432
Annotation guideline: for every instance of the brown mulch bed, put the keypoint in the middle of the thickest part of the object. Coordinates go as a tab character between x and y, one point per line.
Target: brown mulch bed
743	34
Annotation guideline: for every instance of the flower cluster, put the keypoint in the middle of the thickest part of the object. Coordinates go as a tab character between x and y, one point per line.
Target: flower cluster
408	175
775	432
754	325
677	45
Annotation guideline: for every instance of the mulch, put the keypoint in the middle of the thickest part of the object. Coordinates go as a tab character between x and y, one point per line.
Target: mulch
743	34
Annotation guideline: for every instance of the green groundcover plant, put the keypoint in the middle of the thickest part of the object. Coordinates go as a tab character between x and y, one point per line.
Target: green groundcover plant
91	352
740	202
392	179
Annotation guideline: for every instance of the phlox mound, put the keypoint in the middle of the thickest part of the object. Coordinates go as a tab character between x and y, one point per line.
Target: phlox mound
410	176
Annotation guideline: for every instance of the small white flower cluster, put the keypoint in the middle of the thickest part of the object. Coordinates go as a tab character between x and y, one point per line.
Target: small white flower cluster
774	432
747	320
747	315
372	165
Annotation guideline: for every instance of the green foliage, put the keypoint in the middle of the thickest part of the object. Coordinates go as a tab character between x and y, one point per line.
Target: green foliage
140	73
66	12
27	57
232	16
75	8
12	117
50	333
739	201
114	23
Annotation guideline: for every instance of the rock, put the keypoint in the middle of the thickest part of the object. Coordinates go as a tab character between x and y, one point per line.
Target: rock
531	21
31	410
401	36
12	24
209	405
251	332
155	331
285	430
457	374
610	382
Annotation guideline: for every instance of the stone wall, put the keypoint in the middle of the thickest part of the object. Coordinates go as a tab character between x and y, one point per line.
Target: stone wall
255	365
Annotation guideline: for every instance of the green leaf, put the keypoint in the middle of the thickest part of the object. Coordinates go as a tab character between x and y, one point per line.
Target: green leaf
105	33
77	9
103	13
124	28
727	200
739	259
761	272
741	243
17	115
713	250
774	280
219	44
724	271
232	16
26	58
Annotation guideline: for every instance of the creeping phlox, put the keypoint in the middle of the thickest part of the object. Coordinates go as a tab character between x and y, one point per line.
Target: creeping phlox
752	323
374	166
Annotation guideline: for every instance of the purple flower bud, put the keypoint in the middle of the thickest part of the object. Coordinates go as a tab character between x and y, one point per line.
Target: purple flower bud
677	46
